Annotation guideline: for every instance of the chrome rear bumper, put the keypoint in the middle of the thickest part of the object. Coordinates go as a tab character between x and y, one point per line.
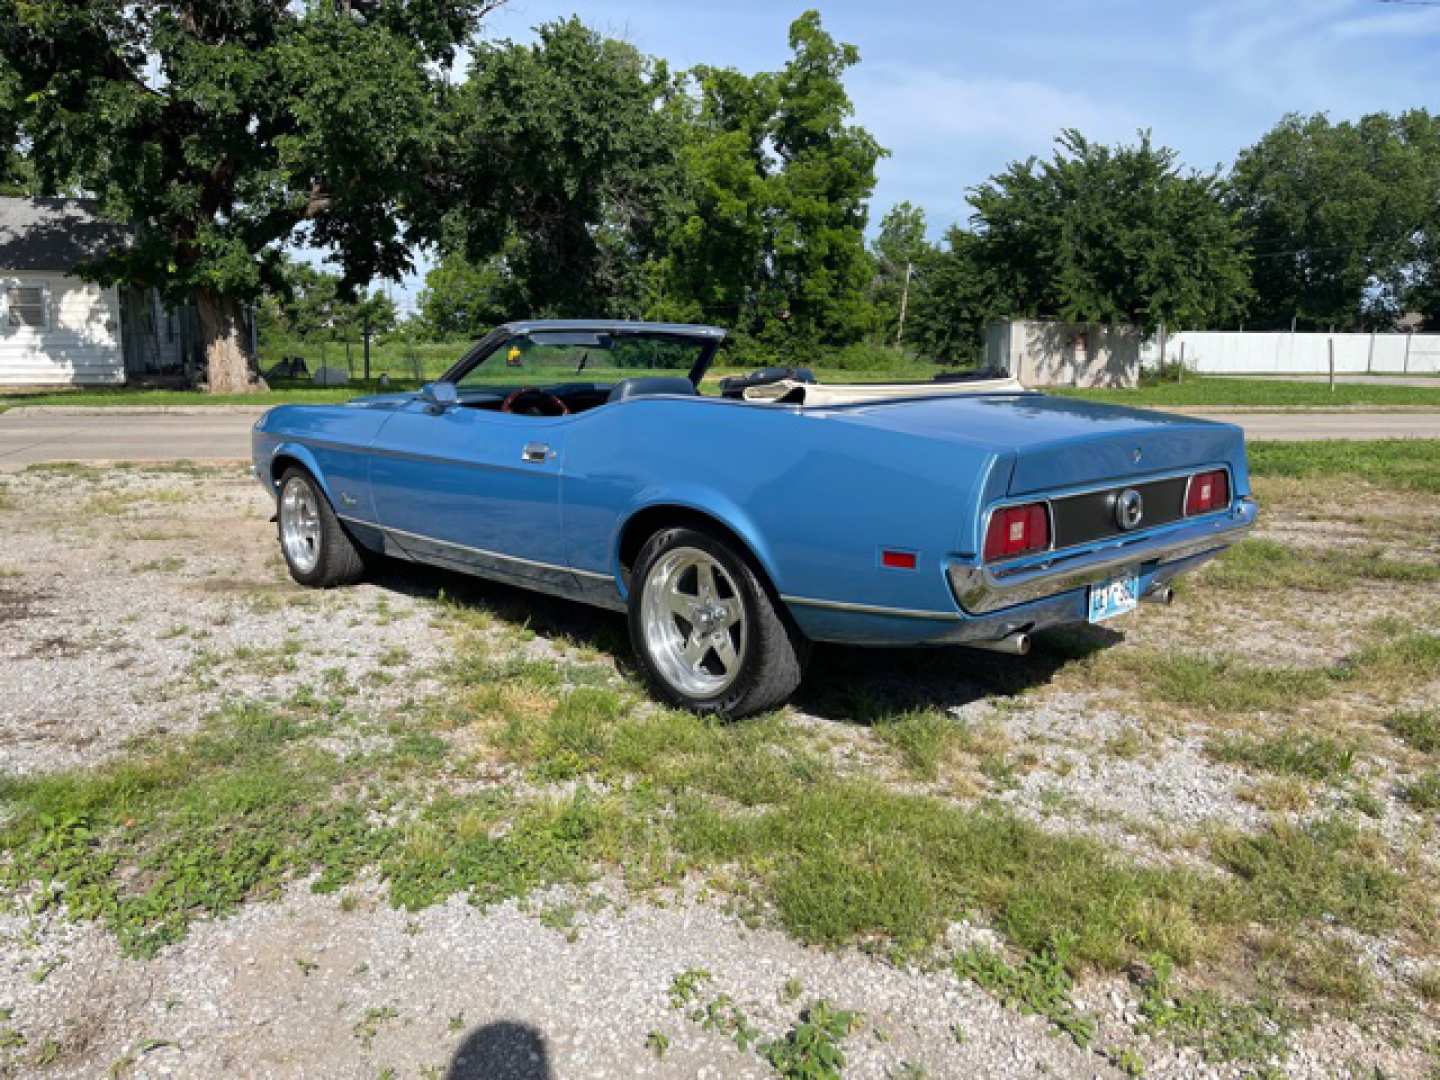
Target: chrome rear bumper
980	589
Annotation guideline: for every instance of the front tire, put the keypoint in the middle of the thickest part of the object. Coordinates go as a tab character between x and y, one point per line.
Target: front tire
317	549
708	633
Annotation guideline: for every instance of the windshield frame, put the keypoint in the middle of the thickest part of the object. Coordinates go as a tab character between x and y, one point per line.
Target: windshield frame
709	338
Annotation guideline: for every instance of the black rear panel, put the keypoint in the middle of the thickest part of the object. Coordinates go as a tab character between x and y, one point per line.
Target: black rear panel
1080	519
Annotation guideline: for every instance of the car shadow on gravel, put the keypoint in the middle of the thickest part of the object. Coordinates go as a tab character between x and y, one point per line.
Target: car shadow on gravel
843	684
523	609
504	1050
858	686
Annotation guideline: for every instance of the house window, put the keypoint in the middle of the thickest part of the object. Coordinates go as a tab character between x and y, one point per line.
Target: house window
25	306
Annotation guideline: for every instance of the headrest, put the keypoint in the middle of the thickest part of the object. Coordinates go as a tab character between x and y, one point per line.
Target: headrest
649	385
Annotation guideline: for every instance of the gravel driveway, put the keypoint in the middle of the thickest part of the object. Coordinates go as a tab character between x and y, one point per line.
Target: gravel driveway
138	601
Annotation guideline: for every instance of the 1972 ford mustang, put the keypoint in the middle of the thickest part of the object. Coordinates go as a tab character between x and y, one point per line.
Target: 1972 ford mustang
579	458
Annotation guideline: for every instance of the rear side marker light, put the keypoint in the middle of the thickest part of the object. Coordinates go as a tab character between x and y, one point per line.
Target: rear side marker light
898	560
1207	491
1017	530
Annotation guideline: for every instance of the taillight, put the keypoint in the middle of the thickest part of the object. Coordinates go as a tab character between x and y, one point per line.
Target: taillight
1017	530
1207	491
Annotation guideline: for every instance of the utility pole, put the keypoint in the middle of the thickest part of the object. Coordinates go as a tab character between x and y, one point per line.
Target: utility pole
904	303
365	329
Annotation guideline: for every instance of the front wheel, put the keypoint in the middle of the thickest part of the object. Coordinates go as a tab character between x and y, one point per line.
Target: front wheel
317	549
707	632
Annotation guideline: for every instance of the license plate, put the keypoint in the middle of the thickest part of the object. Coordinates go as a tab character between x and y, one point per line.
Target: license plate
1114	596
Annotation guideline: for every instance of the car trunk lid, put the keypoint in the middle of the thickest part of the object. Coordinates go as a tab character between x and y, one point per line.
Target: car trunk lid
1061	442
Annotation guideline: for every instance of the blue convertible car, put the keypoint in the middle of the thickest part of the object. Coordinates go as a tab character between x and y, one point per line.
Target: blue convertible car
579	458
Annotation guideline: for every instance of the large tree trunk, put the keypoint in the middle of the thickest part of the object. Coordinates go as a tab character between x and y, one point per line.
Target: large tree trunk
222	333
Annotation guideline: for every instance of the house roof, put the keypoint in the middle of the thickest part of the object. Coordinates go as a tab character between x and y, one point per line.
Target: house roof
54	234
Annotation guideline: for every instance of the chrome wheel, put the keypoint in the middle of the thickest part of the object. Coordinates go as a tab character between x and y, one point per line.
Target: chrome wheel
300	524
693	619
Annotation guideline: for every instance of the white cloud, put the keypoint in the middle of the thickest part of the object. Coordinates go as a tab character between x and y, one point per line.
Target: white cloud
1396	22
909	108
1344	56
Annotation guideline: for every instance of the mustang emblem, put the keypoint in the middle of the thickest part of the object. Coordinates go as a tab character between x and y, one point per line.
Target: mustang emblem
1129	509
1136	455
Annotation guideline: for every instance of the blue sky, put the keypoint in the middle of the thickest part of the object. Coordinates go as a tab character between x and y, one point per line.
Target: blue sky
956	90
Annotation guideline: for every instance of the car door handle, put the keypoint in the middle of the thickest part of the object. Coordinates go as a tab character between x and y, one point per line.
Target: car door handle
535	452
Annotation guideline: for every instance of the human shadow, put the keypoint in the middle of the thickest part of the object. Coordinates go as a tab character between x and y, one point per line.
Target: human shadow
504	1050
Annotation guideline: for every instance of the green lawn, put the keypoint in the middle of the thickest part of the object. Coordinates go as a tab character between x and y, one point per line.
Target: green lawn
1276	393
1399	464
400	366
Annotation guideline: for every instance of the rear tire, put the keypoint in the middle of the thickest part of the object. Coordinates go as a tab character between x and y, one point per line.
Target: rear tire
318	551
709	634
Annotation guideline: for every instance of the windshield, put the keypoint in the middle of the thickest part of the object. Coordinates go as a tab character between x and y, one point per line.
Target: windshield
541	358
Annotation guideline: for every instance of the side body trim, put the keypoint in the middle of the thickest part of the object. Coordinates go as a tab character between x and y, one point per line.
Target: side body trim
587	586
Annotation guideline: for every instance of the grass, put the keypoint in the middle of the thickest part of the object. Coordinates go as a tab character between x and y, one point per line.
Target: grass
1261	564
924	739
1314	757
1390	658
600	780
1393	464
197	826
1327	869
1418	730
1423	793
408	365
1203	391
1216	684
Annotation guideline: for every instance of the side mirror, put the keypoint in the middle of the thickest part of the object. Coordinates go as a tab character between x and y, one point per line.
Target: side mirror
439	396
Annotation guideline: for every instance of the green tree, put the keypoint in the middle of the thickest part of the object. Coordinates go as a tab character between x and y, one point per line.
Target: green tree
228	129
901	251
821	191
1341	217
17	177
310	305
462	299
774	238
566	157
1111	234
953	298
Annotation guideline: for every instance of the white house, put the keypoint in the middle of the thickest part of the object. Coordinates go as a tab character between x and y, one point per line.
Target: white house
56	329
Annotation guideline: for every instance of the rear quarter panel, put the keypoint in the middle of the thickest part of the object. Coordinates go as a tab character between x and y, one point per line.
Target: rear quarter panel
815	500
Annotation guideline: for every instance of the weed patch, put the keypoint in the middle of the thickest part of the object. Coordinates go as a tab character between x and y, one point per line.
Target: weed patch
1254	1033
1315	757
848	860
1041	986
1260	564
1423	793
922	737
1419	730
811	1049
1217	684
1327	869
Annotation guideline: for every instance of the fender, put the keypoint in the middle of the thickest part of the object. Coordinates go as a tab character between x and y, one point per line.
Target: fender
306	457
702	500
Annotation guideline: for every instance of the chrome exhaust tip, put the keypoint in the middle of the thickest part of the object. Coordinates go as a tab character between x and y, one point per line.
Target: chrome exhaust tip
1017	644
1160	594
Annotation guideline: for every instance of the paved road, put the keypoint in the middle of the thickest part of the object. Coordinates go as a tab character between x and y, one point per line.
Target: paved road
29	436
49	435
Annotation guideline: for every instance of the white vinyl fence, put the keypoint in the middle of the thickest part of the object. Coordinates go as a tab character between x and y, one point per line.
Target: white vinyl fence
1253	353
